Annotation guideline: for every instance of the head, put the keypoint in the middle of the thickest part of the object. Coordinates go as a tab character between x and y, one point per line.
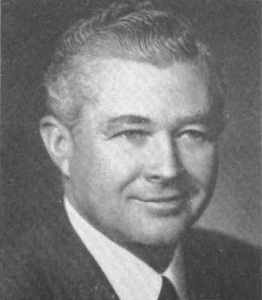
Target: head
136	108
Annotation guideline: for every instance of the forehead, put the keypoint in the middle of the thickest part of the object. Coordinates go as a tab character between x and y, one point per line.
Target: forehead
115	73
128	87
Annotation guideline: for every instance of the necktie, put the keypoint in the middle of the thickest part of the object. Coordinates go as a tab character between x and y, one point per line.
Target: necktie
168	291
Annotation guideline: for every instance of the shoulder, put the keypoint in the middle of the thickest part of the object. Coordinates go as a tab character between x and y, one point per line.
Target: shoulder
50	262
222	265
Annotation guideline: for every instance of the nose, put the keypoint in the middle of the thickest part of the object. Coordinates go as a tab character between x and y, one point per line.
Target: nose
164	162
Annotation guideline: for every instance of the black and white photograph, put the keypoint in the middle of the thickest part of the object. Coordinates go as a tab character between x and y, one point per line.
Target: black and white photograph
130	150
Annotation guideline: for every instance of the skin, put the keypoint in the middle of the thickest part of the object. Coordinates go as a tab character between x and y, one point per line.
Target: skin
143	164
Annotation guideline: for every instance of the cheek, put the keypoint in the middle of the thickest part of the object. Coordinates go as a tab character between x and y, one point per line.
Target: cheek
202	164
119	156
113	166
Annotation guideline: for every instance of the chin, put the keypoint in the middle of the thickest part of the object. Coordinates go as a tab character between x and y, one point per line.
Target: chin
167	234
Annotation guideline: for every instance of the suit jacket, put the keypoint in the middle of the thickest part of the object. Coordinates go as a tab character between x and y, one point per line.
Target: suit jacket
50	262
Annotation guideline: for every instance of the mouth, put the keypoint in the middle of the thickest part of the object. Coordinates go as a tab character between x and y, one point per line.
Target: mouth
168	205
167	199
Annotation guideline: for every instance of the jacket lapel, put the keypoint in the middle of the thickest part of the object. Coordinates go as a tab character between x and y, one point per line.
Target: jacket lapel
77	273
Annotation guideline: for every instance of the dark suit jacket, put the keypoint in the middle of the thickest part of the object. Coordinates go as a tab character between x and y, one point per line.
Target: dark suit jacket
50	262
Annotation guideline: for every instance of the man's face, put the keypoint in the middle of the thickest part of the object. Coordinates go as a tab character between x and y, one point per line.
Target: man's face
145	159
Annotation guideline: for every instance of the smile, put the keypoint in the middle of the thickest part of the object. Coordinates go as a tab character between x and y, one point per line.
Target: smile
165	206
173	198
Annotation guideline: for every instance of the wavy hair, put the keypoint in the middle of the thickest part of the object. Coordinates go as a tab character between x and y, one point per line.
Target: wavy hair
127	31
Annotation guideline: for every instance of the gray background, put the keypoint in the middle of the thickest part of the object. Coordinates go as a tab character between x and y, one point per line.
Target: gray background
31	189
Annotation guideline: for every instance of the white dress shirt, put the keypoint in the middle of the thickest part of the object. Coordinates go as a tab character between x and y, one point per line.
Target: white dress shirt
131	278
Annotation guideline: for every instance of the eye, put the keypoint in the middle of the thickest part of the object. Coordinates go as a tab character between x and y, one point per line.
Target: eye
134	134
195	135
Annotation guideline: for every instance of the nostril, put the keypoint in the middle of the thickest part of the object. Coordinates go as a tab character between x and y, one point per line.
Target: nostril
155	178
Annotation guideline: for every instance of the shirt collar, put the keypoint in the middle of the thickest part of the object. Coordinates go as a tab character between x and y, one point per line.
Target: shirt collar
131	278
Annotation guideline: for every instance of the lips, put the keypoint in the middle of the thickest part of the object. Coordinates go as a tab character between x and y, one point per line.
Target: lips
164	206
166	198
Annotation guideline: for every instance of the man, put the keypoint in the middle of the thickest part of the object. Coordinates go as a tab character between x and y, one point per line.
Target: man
136	110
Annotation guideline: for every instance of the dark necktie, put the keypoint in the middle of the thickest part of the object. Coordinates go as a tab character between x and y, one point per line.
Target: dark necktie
168	291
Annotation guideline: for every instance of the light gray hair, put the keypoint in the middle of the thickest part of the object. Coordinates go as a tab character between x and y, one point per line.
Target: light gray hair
131	32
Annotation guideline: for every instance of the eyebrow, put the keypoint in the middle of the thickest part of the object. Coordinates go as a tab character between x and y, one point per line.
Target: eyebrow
135	119
199	118
129	119
114	122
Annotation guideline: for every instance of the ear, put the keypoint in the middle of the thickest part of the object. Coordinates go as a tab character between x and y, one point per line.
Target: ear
58	142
